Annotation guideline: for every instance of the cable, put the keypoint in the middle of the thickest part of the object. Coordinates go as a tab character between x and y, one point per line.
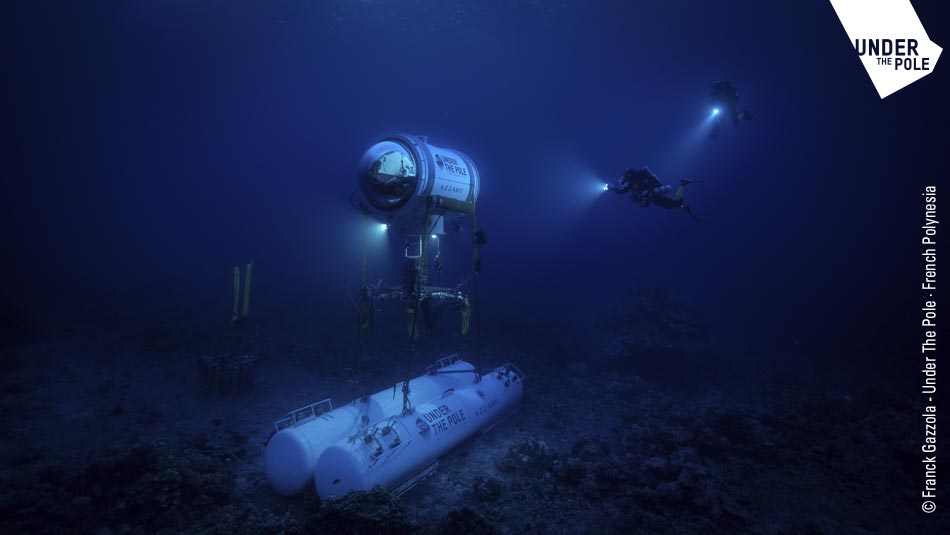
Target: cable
350	294
436	222
406	403
476	306
358	207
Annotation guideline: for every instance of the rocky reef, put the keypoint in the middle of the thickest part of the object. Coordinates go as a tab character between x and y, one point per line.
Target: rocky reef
592	449
649	320
371	512
146	488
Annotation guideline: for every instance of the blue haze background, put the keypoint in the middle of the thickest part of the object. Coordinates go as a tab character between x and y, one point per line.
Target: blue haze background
157	144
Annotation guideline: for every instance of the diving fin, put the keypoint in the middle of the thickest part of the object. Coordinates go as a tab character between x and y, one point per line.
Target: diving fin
691	213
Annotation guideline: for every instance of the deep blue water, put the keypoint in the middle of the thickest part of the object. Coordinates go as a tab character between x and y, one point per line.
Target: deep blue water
153	145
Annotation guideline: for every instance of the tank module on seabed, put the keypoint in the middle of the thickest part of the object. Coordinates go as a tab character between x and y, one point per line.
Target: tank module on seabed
374	441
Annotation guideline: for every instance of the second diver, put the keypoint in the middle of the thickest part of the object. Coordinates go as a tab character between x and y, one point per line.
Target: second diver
646	189
725	98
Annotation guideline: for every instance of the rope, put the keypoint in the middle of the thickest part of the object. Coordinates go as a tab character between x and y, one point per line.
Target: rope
436	222
365	246
476	308
349	294
359	316
425	241
420	276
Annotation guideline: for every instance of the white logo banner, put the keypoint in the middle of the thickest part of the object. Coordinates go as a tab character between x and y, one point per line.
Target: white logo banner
890	40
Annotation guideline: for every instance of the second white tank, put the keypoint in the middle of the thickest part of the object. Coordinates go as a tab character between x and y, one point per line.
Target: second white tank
398	448
291	455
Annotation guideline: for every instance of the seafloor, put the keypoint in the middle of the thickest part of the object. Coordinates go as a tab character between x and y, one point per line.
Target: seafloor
636	428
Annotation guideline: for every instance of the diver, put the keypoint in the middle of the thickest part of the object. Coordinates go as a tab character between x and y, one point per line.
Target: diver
645	189
725	98
390	179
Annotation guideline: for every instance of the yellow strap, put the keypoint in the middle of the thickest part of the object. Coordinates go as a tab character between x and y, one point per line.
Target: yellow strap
247	287
237	293
466	316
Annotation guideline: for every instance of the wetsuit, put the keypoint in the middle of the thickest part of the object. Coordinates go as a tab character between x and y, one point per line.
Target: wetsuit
646	189
726	98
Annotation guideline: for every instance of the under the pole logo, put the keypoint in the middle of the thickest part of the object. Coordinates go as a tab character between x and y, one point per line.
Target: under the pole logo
890	41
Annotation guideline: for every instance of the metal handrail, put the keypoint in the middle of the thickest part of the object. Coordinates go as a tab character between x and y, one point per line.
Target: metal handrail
304	414
443	363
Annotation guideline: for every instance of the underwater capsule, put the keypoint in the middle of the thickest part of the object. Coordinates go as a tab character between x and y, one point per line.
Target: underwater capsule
400	174
302	436
431	429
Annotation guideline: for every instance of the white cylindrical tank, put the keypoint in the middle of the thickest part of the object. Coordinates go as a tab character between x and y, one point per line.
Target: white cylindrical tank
402	446
291	454
398	172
